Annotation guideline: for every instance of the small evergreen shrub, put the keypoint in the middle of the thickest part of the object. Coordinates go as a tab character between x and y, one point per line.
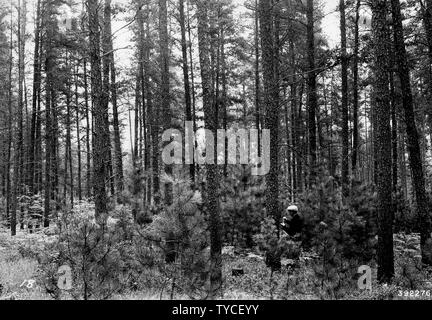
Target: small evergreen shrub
176	244
341	232
99	257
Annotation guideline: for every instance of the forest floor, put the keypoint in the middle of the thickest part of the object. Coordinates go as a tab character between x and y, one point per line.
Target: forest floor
296	281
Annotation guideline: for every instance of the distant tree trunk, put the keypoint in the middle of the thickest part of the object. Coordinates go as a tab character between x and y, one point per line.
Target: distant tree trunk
55	145
300	138
345	116
106	66
49	128
88	135
212	190
394	92
402	161
311	91
187	91
117	132
224	98
394	125
294	122
18	156
118	157
137	126
288	148
140	129
191	64
374	155
68	147
152	118
140	103
383	142
214	12
415	157
78	136
22	107
35	105
100	134
147	143
165	86
10	128
356	135
257	77
136	179
368	141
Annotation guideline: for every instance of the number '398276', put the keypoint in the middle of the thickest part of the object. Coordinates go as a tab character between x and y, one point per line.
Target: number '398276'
415	293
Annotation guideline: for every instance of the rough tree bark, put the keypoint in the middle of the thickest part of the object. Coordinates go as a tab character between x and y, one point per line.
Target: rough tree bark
100	134
49	127
88	135
345	116
257	78
356	136
78	136
271	93
413	139
18	151
212	190
312	100
10	126
383	141
35	99
165	87
106	66
187	92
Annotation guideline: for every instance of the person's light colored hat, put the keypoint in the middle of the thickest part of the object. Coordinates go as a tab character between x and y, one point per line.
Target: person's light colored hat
293	208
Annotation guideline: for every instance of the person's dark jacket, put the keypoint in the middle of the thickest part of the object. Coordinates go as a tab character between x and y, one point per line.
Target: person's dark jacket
295	226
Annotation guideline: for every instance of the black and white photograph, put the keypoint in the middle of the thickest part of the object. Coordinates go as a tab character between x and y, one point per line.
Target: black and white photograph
232	151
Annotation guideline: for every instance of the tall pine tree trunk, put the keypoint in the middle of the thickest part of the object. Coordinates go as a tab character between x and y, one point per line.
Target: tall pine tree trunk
88	135
10	129
100	134
78	136
118	157
35	99
187	91
413	139
192	74
19	137
49	128
355	90
68	147
140	95
106	66
165	87
271	93
312	100
294	122
345	116
383	142
152	119
212	190
257	78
